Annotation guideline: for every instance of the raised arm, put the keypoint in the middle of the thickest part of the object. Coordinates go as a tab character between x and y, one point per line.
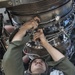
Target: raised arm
32	24
55	54
60	60
12	60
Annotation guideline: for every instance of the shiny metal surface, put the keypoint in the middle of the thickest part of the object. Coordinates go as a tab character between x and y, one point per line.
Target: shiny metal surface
46	16
47	10
38	7
21	15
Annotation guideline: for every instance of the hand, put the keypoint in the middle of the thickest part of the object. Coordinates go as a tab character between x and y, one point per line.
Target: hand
39	35
32	24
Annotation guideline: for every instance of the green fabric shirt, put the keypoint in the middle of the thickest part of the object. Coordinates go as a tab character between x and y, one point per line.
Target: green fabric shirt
13	64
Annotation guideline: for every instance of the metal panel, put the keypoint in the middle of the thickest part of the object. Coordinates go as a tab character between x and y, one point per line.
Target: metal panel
37	7
45	16
5	3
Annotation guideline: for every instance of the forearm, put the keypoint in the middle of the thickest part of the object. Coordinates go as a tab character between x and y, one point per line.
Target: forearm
19	35
55	54
32	24
12	61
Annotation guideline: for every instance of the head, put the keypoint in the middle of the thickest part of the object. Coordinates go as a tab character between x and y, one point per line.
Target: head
37	66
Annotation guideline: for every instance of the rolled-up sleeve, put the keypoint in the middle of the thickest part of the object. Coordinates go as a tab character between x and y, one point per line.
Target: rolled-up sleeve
64	65
12	60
